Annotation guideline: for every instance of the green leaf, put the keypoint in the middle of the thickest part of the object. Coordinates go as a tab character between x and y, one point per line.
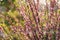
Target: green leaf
6	22
13	0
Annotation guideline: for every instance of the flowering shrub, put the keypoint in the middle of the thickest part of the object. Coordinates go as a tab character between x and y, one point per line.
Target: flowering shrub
30	20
